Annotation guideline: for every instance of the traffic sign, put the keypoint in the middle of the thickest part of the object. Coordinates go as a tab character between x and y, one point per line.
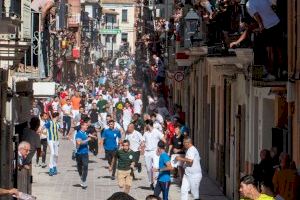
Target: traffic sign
179	76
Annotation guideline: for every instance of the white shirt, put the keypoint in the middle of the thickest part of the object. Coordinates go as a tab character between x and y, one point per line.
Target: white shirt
137	106
159	118
264	9
43	135
95	101
55	106
157	126
135	138
127	114
67	109
115	101
192	154
151	139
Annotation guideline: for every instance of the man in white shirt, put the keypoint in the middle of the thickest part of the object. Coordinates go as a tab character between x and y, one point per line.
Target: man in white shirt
151	137
67	117
138	104
136	142
192	170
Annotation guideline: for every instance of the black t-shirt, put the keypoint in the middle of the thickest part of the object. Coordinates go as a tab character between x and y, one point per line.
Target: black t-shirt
177	142
94	115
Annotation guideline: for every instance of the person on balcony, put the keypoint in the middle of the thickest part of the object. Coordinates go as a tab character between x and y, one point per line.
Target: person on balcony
269	26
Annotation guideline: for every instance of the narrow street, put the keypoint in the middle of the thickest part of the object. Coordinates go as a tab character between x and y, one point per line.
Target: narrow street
65	186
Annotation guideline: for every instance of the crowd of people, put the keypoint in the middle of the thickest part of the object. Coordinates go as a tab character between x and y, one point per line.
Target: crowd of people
274	177
108	112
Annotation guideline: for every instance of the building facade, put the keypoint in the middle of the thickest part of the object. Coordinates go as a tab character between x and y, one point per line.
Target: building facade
117	29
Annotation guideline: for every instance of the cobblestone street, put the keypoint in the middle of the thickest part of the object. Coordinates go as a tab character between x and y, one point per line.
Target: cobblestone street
65	186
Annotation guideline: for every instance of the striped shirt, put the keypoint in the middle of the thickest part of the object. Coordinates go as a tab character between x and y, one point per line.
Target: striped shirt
52	130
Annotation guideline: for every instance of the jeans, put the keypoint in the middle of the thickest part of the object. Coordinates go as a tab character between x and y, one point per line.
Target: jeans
82	165
67	122
162	187
44	145
110	154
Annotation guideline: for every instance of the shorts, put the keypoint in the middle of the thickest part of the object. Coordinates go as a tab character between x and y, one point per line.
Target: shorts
124	178
273	36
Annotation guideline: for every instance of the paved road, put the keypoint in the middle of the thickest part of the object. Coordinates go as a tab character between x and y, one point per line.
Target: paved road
65	185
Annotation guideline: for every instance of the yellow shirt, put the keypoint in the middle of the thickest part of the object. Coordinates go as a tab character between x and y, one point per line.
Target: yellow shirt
265	197
262	197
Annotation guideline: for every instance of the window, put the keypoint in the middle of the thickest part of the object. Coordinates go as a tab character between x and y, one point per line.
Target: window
124	15
124	37
107	39
114	39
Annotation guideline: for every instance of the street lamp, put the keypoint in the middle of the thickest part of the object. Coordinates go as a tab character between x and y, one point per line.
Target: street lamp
192	21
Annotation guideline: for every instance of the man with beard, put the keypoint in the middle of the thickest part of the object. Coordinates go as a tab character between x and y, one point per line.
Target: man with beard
125	157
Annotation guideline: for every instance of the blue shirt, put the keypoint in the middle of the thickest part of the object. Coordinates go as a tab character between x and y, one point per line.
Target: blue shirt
165	175
110	138
83	148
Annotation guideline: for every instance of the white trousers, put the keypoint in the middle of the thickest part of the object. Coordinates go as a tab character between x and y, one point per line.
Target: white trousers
190	183
53	153
152	161
75	113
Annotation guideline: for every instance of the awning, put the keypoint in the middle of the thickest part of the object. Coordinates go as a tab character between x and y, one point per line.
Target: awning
108	11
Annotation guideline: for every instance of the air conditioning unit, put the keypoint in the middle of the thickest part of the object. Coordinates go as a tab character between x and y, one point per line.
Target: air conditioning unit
157	12
9	36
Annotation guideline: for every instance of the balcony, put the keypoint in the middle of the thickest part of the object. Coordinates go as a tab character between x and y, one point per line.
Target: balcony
74	21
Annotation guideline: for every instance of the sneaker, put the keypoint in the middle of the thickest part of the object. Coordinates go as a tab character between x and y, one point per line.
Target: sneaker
139	167
113	178
51	172
44	165
83	185
54	171
37	165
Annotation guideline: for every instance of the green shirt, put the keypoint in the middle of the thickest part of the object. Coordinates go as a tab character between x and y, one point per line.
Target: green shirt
125	159
102	105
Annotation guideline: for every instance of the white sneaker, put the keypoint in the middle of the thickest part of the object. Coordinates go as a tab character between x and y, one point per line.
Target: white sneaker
83	185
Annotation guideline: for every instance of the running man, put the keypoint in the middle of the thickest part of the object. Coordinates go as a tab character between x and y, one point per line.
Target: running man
151	137
192	170
109	140
165	167
82	152
52	138
136	143
125	157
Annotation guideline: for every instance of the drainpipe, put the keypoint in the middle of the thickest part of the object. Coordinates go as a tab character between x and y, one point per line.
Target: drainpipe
291	55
